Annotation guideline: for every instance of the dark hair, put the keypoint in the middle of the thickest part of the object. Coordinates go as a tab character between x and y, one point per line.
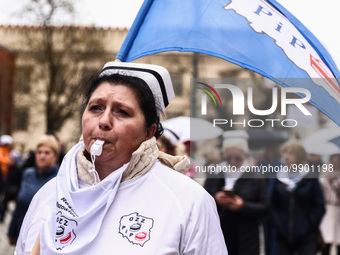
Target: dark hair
169	147
142	91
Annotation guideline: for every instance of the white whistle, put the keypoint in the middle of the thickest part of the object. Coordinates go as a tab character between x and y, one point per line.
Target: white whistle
97	148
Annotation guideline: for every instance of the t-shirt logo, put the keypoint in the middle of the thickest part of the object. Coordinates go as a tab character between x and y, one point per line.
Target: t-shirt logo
136	228
65	234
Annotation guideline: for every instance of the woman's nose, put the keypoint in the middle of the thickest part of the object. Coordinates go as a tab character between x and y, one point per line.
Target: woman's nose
106	120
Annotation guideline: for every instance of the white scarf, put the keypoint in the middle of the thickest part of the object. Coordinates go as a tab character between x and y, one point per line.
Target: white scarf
230	178
84	207
75	209
292	179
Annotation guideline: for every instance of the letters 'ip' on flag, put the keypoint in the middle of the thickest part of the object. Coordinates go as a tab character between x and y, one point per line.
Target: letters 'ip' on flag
258	35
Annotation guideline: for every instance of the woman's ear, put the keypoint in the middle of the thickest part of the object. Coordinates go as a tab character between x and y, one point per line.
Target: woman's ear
151	131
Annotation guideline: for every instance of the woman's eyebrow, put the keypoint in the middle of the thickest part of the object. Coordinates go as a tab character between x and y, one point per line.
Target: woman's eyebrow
96	99
120	103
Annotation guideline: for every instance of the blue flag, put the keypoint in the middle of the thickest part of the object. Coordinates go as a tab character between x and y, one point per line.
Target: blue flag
259	35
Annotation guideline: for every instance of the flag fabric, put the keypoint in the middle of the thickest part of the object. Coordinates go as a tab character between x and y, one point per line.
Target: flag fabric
259	35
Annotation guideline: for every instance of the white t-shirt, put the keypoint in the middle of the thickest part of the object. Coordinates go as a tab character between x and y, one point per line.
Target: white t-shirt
161	212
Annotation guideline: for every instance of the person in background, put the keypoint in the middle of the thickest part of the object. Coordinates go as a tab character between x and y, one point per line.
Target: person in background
212	157
271	158
61	146
315	162
242	199
46	156
30	159
297	203
10	160
115	192
6	160
330	224
170	143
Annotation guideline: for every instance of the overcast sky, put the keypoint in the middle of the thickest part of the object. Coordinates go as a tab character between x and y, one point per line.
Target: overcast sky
321	17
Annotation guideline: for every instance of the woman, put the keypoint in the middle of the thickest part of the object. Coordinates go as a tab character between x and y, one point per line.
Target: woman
242	199
330	224
297	204
113	193
47	152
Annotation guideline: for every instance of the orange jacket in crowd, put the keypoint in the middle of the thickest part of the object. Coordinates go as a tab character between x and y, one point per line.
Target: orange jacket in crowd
4	160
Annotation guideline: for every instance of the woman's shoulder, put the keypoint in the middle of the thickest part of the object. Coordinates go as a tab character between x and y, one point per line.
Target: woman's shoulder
176	182
162	170
29	171
185	192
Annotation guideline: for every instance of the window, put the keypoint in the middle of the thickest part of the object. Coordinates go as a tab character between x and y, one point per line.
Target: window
23	79
21	119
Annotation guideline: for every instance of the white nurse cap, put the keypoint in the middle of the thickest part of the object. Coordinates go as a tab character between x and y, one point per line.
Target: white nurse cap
155	76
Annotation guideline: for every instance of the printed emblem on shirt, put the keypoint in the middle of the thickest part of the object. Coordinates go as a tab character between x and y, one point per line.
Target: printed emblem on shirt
135	228
65	234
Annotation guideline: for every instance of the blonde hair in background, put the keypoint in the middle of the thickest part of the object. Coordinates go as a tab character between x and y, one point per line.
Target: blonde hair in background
297	148
49	141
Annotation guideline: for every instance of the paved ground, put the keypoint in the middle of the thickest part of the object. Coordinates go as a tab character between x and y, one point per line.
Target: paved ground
5	248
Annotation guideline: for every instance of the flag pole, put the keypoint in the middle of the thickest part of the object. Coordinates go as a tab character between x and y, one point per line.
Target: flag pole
195	61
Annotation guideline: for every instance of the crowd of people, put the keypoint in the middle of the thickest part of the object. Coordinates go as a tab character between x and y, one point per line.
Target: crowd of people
298	209
122	187
22	177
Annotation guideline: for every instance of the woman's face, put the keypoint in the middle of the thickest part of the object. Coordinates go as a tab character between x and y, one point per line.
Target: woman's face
45	158
235	157
289	156
114	116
